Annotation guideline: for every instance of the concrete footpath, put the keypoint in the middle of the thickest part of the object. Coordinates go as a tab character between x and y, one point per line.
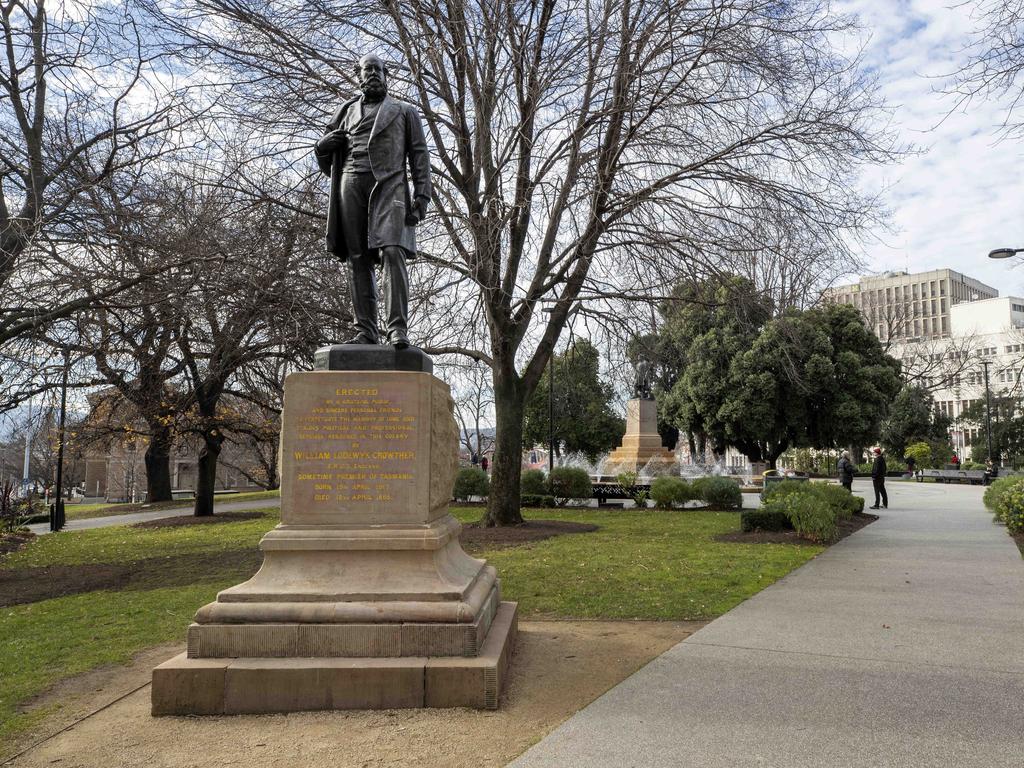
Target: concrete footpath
903	645
158	514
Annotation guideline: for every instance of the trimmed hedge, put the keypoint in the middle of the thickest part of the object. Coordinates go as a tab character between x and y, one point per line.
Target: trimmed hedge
1005	498
566	483
471	481
813	509
669	491
533	482
720	492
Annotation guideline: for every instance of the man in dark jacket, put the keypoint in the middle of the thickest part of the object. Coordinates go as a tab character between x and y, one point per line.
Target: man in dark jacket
846	470
878	479
372	214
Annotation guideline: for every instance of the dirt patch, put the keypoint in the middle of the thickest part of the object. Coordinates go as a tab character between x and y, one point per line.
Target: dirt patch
29	585
558	668
477	537
12	542
846	527
220	517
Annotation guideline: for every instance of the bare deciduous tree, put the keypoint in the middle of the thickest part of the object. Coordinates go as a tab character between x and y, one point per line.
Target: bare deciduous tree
995	65
584	151
83	93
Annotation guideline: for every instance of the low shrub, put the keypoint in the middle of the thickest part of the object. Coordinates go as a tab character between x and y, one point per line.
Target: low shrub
721	492
627	480
995	492
841	500
1012	509
640	498
537	500
668	491
566	483
764	520
811	516
813	509
532	483
1005	497
471	481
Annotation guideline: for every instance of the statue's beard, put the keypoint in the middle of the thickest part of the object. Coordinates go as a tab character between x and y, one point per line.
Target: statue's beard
374	90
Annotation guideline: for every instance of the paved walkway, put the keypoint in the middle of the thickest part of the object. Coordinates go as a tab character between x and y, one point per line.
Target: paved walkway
903	645
138	517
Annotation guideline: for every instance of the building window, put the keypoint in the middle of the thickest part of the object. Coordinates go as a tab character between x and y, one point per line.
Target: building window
1018	307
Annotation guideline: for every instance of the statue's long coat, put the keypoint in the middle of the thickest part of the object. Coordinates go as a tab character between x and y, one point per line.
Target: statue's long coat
397	134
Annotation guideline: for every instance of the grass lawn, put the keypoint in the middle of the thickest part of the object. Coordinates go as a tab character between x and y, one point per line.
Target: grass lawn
103	509
639	565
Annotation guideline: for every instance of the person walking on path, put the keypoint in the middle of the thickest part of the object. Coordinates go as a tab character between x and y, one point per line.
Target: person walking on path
878	479
846	471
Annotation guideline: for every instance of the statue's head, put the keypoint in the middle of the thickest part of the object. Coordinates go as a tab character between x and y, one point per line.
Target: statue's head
372	75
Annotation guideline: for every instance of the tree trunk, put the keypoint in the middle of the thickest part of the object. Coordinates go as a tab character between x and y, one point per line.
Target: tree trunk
507	465
158	464
206	475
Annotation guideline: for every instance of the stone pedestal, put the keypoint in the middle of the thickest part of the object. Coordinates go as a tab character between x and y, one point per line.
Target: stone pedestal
365	598
641	443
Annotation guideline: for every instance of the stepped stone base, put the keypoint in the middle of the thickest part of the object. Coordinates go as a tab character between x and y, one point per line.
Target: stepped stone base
365	599
219	641
641	444
211	686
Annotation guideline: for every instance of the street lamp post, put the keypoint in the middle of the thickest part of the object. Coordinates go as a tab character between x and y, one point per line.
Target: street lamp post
988	408
551	402
57	510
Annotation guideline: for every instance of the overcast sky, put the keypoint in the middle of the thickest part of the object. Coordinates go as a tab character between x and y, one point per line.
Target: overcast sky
964	194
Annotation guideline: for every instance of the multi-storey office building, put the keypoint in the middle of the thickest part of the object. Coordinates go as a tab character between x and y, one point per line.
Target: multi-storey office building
902	307
946	328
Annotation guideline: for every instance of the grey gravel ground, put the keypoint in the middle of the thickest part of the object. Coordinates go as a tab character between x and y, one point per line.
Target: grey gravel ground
903	645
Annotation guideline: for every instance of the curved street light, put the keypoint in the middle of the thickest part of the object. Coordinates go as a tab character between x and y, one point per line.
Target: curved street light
1004	253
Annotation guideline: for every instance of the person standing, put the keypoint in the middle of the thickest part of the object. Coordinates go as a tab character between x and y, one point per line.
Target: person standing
878	470
846	471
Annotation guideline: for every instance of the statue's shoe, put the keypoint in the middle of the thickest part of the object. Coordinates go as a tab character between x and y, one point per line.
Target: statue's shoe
362	338
398	340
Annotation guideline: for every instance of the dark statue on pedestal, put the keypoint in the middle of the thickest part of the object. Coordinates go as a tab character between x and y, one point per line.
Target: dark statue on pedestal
643	384
372	215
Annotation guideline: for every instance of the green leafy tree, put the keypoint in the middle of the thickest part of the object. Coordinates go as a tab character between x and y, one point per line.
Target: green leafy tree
851	389
816	378
921	453
584	419
913	419
705	326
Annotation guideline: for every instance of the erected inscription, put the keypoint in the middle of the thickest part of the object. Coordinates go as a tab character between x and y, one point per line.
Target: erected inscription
354	446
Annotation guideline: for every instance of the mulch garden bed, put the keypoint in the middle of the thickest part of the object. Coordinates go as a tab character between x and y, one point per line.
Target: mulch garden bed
846	527
29	585
220	517
478	537
12	542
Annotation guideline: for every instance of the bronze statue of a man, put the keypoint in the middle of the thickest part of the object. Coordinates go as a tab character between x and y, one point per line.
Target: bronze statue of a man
372	215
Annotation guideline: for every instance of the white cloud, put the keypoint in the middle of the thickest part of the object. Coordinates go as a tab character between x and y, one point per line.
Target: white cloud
963	194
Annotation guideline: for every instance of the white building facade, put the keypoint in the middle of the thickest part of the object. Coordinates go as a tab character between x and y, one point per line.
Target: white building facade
946	328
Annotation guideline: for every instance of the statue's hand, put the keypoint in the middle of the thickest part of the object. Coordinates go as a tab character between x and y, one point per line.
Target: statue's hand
331	141
415	214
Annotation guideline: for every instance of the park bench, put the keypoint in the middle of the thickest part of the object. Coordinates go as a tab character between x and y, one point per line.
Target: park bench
972	476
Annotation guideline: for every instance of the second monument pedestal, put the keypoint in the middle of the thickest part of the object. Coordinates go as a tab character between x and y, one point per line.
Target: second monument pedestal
365	598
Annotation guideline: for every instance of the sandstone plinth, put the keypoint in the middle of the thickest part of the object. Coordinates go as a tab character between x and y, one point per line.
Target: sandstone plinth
365	597
641	444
